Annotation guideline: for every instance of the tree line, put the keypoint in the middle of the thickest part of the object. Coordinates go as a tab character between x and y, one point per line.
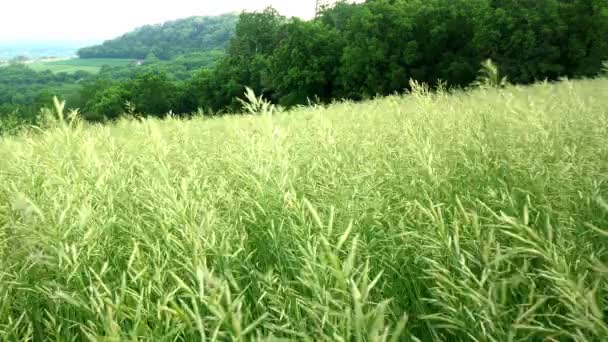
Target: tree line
24	91
358	51
375	48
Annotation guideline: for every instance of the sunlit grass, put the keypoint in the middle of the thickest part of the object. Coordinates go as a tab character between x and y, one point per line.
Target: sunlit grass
470	216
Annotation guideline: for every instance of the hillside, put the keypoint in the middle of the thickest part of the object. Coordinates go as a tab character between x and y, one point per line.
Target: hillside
446	217
351	51
168	40
184	47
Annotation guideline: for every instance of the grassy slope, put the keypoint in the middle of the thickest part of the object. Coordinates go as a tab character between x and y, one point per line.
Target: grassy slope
92	65
471	215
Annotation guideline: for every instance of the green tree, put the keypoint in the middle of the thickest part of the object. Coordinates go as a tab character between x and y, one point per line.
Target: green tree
151	58
582	41
305	65
108	103
247	63
153	93
351	51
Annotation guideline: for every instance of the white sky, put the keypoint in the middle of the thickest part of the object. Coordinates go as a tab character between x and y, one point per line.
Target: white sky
86	20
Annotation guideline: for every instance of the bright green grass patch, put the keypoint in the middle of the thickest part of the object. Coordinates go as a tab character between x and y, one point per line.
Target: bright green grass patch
471	216
92	65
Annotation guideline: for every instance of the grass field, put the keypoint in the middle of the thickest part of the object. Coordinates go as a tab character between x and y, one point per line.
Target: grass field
72	65
471	216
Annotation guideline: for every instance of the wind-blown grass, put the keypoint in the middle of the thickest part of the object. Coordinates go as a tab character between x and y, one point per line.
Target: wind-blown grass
471	216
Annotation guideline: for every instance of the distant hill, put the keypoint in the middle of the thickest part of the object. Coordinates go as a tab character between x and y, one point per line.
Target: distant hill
165	41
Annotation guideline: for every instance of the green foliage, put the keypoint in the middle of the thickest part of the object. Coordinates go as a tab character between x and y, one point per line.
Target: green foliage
168	40
26	88
179	68
107	103
25	91
303	66
151	93
46	118
534	40
76	65
247	64
352	51
248	61
431	217
358	51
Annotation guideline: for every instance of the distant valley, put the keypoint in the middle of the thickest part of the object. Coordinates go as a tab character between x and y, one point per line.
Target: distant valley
39	50
100	78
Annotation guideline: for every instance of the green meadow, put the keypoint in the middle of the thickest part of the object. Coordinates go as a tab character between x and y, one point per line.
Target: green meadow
432	216
70	66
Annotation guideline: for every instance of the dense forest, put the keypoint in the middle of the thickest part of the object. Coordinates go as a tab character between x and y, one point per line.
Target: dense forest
168	40
24	91
350	51
178	69
375	48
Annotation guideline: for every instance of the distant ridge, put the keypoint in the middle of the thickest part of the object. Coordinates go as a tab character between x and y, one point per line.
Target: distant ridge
168	40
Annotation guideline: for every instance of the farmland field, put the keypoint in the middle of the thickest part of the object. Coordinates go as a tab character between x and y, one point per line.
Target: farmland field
92	65
477	215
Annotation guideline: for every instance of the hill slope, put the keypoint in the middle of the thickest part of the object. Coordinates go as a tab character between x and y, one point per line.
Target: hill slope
194	34
473	216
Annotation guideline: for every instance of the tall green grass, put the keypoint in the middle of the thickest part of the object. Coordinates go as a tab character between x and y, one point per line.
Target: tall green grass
476	215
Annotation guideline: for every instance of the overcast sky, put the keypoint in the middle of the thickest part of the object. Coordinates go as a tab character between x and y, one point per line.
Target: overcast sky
86	20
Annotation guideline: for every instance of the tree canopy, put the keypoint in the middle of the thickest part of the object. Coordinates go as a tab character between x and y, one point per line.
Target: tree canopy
352	51
168	40
362	50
